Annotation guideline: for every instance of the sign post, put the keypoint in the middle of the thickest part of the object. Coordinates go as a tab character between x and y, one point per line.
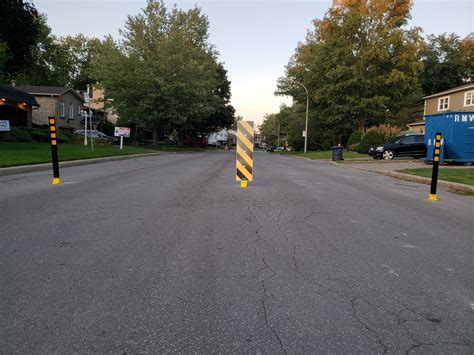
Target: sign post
54	150
122	132
244	157
434	176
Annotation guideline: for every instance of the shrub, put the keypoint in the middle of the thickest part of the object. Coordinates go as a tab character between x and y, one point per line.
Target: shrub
354	138
19	135
108	128
371	138
353	147
62	138
387	130
39	135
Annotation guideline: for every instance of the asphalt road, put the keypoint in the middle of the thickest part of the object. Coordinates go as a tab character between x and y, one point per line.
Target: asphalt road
167	254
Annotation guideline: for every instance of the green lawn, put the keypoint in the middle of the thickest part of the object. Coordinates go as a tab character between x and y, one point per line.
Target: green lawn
324	154
12	154
463	176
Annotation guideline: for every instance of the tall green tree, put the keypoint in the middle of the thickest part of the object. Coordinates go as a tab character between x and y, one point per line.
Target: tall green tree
164	72
65	61
446	62
50	64
18	33
360	66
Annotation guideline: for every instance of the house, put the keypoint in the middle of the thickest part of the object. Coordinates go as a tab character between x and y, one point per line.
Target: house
416	127
458	99
99	101
62	102
16	106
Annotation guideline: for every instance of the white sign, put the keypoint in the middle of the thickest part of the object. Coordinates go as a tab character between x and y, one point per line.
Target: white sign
5	126
304	133
122	132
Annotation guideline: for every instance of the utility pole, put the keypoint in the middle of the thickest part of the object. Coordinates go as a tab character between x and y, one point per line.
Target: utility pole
85	117
307	109
90	117
278	132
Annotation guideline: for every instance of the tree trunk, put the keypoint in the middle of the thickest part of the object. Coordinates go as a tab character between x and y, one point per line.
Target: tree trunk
362	125
156	135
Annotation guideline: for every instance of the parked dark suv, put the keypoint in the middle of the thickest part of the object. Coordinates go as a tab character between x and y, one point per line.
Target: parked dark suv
408	145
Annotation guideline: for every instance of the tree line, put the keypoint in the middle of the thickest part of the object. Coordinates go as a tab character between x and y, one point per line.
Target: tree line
363	67
163	72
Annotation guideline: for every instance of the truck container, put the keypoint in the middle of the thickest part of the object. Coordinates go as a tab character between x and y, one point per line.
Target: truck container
457	133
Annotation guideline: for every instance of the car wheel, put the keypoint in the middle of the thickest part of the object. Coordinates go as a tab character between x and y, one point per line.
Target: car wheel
388	154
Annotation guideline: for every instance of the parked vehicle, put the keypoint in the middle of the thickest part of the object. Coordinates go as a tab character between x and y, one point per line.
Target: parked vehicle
270	148
97	135
408	145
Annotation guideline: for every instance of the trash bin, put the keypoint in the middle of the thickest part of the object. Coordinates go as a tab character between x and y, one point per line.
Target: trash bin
337	153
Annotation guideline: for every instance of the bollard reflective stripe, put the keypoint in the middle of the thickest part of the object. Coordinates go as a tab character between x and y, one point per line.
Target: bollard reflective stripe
244	155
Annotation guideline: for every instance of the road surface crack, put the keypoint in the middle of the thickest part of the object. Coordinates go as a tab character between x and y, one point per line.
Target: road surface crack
366	326
265	312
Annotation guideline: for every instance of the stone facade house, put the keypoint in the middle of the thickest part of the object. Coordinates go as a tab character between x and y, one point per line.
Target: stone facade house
62	102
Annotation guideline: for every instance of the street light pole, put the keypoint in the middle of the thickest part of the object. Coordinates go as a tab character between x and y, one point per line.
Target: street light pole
306	124
278	139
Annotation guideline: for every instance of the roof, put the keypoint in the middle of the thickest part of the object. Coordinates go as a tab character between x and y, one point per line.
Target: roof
49	90
422	123
450	91
11	93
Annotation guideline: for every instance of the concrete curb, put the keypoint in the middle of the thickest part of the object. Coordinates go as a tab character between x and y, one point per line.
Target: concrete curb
47	166
427	181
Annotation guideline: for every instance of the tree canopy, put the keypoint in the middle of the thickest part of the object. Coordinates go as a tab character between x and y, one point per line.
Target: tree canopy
19	31
165	73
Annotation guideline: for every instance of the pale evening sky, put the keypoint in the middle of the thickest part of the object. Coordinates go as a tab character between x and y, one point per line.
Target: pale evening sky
255	38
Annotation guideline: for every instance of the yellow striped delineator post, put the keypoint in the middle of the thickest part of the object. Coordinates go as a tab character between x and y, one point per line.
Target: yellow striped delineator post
244	156
434	176
54	150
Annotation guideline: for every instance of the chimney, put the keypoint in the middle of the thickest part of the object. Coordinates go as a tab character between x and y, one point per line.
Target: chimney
13	83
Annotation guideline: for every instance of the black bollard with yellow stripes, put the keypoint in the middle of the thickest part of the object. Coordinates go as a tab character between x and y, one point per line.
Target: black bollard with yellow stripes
244	157
54	150
434	176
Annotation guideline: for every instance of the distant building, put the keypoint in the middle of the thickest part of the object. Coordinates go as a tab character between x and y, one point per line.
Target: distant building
457	99
99	101
17	106
62	102
417	127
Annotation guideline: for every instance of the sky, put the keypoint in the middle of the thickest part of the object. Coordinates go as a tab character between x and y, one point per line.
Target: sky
255	39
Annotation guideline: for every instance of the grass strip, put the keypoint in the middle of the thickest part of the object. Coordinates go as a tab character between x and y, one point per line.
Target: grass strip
459	175
14	154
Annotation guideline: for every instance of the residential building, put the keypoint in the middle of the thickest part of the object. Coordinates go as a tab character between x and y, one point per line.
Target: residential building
99	101
61	102
416	127
457	99
17	106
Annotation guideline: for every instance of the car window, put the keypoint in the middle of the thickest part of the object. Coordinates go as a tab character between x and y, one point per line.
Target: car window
409	139
420	139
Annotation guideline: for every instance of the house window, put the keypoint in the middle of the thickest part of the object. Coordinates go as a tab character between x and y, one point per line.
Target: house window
79	110
61	109
71	111
443	103
469	98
